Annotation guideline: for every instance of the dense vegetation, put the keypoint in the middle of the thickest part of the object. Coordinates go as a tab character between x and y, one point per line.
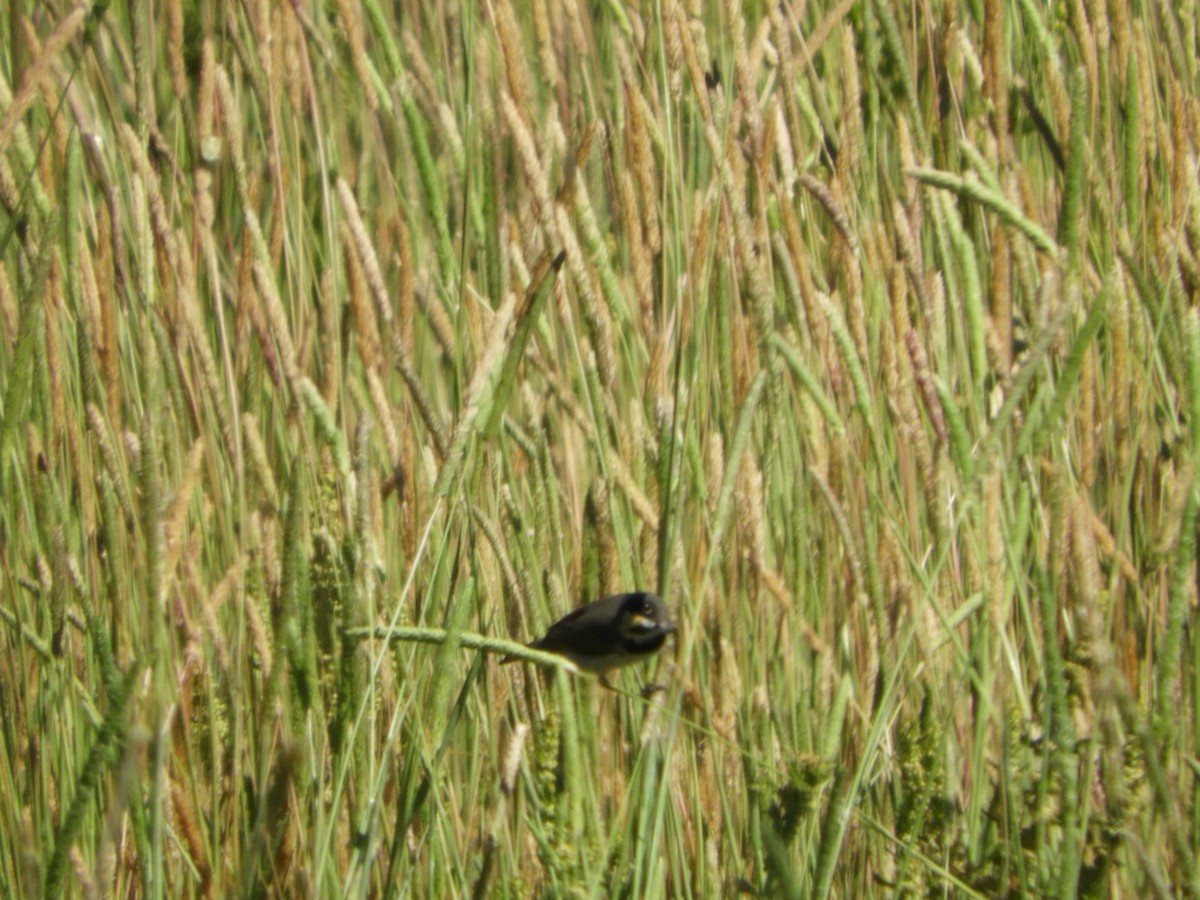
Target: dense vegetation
342	345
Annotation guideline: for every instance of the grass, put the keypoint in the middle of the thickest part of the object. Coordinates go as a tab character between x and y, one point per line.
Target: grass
344	347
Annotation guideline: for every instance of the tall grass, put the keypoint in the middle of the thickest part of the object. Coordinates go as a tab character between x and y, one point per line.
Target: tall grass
344	347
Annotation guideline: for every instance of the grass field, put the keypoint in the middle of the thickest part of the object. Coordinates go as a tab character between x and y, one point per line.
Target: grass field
343	345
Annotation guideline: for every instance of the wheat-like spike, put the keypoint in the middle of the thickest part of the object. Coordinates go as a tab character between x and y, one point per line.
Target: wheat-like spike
253	442
178	507
366	251
40	68
366	328
531	163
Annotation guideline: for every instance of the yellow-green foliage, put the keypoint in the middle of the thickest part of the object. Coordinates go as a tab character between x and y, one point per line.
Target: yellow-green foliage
344	346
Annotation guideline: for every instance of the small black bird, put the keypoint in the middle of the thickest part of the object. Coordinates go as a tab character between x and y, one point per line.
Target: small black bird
610	633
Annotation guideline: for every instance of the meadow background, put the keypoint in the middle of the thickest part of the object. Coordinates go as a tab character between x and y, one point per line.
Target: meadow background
341	343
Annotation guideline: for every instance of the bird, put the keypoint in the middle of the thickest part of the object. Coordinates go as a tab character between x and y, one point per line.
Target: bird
607	634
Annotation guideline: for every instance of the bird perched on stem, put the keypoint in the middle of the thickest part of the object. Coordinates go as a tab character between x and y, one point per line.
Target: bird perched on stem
610	633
